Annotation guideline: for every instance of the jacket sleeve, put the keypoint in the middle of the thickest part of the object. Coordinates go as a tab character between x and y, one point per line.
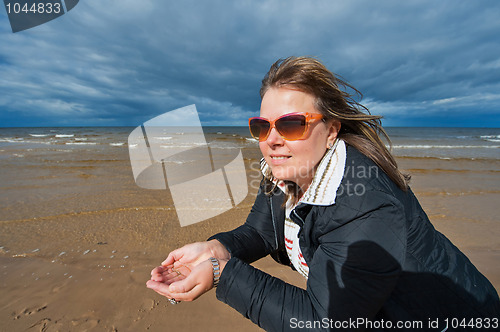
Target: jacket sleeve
256	237
351	275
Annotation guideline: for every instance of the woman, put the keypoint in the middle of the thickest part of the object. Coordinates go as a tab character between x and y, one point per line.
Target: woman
333	206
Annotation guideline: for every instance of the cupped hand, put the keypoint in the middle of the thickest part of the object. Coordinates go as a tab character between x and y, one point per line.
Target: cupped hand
188	255
169	274
189	288
197	252
192	254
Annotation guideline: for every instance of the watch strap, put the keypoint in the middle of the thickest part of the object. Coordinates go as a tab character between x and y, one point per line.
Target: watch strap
216	270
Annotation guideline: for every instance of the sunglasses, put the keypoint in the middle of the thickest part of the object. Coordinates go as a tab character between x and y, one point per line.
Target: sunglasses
291	127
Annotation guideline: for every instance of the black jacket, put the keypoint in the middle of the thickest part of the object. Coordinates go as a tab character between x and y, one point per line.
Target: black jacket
374	258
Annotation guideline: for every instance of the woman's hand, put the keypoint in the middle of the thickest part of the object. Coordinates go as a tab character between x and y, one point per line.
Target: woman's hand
192	254
189	288
189	264
169	274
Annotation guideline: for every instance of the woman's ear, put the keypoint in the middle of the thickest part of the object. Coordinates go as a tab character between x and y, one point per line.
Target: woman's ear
333	131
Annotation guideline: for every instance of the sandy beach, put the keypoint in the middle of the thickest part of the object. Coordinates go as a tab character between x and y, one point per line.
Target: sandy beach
78	238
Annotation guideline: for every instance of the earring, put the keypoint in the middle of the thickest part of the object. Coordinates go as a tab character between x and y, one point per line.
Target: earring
330	145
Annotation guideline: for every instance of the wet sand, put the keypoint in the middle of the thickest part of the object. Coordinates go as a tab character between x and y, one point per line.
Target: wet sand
78	238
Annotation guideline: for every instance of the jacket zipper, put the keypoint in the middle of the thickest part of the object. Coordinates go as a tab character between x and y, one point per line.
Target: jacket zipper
301	224
274	223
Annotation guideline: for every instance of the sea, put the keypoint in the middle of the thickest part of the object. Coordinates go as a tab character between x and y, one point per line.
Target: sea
443	143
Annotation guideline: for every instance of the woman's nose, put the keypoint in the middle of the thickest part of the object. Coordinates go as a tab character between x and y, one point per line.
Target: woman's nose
274	138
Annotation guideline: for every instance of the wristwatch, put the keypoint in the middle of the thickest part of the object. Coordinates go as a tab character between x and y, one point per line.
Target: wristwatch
216	270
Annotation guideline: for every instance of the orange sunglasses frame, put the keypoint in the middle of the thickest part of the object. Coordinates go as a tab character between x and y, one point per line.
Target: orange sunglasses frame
310	117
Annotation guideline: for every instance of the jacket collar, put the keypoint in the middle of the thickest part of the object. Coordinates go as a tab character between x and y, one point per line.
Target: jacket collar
326	181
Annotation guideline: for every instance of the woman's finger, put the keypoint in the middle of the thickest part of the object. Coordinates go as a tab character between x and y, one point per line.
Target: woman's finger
174	256
163	289
169	275
158	270
182	269
158	287
170	259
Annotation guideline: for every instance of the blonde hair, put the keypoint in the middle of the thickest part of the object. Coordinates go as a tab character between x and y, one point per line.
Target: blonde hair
359	128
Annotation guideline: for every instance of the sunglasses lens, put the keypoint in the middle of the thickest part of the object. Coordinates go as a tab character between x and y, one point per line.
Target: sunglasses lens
259	128
291	127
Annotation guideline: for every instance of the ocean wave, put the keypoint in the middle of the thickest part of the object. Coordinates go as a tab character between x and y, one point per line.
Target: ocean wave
179	162
64	135
11	139
491	138
182	146
41	142
80	143
116	144
39	135
163	138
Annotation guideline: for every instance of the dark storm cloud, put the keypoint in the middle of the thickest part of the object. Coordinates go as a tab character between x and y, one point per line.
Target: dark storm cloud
123	62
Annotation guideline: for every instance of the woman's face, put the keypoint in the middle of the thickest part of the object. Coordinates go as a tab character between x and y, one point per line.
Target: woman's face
295	160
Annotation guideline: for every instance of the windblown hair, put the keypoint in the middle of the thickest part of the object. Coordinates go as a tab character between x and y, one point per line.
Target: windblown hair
359	128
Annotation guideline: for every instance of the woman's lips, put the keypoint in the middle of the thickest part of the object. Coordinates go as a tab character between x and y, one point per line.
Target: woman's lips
279	159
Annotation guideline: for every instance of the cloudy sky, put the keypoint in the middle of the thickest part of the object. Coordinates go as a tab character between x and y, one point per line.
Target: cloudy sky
122	62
